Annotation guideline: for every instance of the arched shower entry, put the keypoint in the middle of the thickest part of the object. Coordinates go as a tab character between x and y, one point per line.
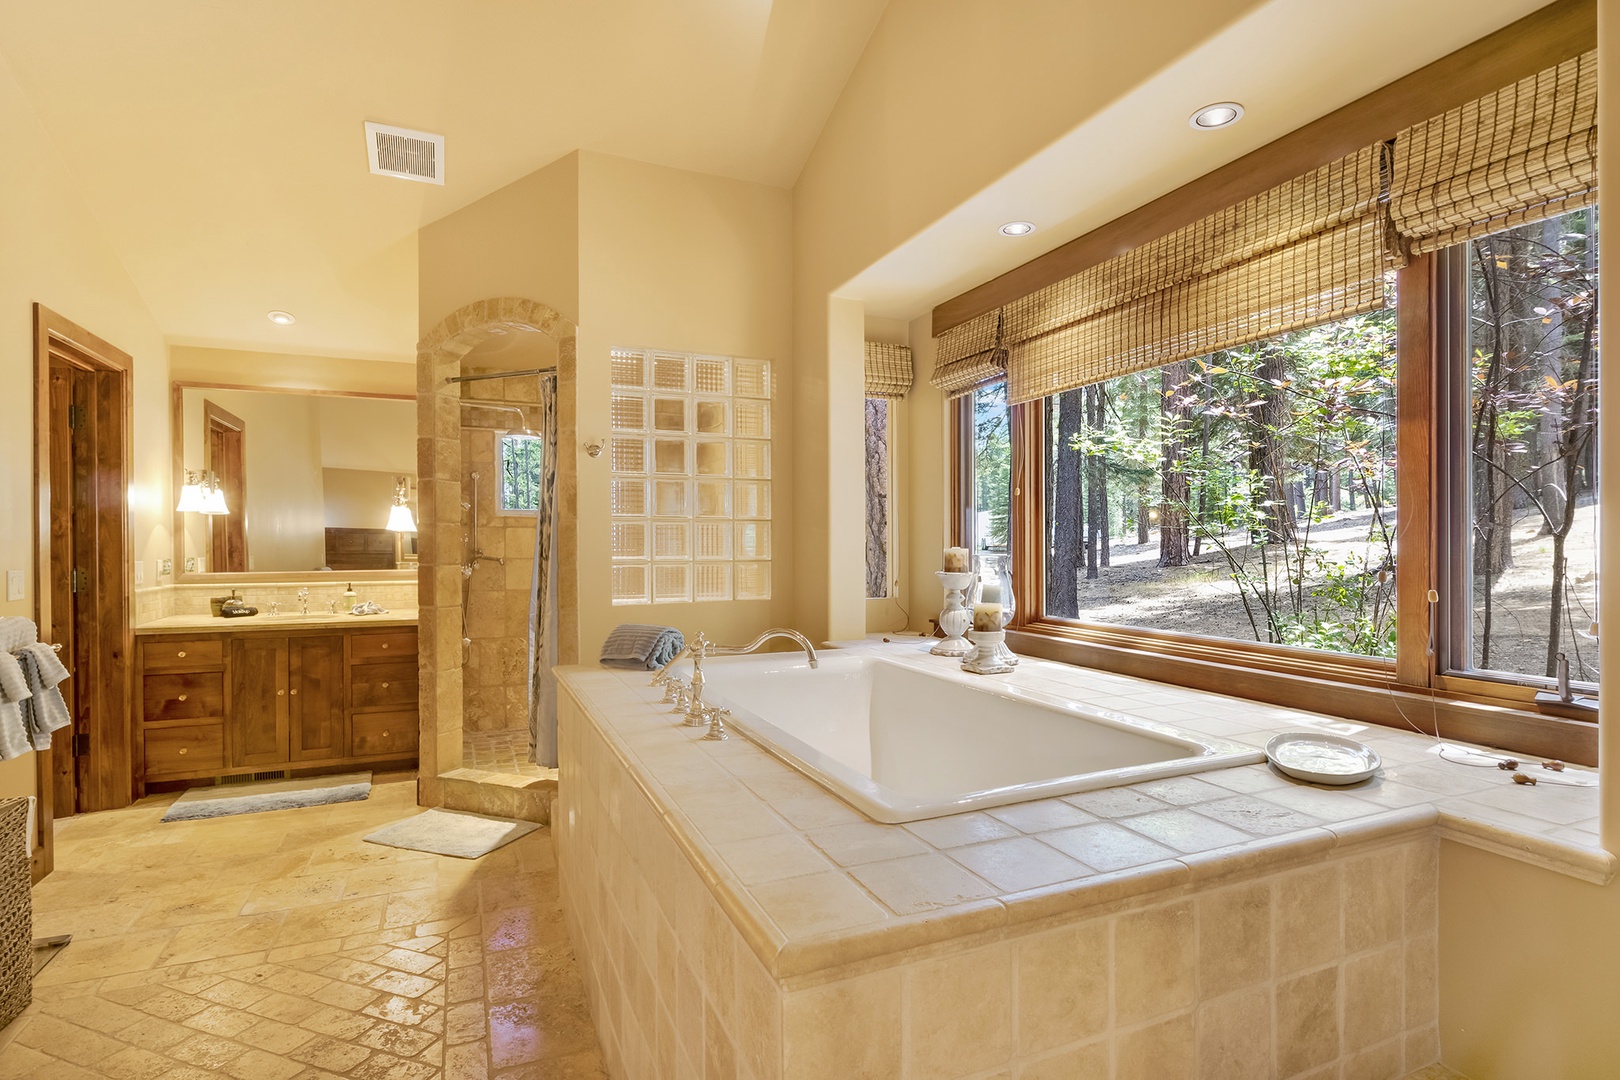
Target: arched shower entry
447	545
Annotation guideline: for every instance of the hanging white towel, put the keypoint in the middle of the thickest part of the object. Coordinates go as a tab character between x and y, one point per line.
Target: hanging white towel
14	741
43	711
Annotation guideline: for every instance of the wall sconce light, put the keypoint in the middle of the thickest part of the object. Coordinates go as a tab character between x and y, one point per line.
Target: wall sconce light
400	518
201	494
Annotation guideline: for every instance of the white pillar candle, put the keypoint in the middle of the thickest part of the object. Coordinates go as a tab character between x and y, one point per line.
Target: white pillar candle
990	592
956	560
986	616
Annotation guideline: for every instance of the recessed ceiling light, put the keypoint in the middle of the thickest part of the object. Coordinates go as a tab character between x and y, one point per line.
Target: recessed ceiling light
281	318
1219	115
1018	228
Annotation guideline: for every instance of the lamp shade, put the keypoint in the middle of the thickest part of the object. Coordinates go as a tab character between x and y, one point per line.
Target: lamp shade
191	499
214	501
400	519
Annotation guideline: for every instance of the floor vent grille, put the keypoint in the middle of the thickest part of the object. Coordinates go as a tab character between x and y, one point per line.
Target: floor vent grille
279	774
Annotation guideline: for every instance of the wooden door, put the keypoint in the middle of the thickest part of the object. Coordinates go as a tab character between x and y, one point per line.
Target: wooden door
73	552
315	687
256	718
227	533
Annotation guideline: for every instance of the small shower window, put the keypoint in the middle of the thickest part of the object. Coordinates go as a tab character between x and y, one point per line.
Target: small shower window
520	473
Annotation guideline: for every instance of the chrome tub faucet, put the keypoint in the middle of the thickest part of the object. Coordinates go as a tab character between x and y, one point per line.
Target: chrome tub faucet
687	697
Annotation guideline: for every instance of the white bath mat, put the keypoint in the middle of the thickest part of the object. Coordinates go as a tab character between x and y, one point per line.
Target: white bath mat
452	832
212	802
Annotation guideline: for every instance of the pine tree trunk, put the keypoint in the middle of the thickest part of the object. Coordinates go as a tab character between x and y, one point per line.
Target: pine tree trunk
1174	489
1276	518
1062	572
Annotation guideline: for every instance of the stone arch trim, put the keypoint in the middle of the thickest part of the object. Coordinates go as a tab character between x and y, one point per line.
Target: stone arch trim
465	327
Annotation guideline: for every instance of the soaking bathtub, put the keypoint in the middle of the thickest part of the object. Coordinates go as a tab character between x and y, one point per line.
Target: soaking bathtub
904	739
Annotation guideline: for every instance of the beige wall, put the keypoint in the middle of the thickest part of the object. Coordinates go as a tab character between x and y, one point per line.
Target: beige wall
358	498
295	371
522	240
910	139
692	263
55	255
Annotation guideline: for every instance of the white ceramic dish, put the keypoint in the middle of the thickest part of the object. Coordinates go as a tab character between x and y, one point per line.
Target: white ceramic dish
1321	758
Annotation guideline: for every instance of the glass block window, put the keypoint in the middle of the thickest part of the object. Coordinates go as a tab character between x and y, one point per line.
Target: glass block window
520	473
691	456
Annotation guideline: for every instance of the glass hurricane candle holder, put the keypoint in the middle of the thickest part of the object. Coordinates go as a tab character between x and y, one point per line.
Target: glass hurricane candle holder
993	609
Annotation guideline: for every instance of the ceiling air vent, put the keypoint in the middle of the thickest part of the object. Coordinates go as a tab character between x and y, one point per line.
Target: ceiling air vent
409	155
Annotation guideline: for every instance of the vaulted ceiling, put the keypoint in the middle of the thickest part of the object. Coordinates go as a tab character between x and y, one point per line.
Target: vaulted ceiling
221	145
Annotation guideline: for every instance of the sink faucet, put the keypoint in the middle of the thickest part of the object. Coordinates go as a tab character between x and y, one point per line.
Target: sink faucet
303	601
698	714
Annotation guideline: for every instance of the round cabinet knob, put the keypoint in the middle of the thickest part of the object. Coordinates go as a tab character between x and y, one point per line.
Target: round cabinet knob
182	697
182	751
385	644
385	686
181	654
385	734
279	693
293	692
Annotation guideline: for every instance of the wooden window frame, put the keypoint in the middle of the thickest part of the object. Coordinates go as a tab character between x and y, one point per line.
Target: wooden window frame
1408	692
1412	691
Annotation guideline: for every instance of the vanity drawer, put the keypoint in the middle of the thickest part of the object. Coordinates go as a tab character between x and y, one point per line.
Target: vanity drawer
186	749
382	684
364	647
180	654
183	696
383	733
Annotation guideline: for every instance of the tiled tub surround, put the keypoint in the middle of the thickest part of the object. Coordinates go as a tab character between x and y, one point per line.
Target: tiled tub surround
732	916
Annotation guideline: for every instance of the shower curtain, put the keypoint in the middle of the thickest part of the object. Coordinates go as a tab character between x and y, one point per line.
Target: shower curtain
543	592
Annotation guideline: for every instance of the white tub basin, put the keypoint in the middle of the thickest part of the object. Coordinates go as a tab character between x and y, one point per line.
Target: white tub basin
901	740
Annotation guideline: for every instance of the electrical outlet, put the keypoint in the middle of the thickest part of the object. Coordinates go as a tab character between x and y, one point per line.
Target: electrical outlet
191	564
165	567
14	584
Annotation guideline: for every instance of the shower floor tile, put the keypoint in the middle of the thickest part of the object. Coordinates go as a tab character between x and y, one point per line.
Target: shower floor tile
500	751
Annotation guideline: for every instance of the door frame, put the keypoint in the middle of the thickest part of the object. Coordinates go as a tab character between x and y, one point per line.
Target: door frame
232	531
106	784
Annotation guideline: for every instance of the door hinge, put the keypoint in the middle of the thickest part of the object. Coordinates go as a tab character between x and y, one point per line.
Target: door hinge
75	416
81	744
76	579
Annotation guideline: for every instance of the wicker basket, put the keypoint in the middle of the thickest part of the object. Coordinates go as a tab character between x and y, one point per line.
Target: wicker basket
16	912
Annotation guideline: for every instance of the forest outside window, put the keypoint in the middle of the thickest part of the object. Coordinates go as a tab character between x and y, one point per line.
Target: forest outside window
879	486
989	521
1529	493
1246	495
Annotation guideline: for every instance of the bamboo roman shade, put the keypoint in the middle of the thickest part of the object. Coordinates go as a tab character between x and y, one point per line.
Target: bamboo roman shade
1526	152
888	370
970	356
1305	252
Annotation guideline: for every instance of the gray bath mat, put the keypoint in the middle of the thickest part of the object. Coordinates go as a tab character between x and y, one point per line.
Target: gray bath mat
451	832
212	802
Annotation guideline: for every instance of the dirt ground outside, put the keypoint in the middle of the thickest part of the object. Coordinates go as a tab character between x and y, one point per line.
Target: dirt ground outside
1202	598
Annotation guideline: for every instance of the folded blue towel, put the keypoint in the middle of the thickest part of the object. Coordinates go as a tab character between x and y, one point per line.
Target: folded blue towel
638	645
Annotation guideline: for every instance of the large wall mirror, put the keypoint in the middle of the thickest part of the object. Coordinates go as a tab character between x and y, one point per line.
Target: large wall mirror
309	482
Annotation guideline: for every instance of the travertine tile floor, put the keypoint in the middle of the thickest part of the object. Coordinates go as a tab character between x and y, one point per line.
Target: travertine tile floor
500	751
281	946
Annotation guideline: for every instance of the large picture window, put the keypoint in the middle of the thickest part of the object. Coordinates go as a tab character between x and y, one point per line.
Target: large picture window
1247	495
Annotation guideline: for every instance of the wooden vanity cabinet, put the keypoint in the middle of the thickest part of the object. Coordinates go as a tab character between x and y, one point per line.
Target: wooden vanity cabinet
231	703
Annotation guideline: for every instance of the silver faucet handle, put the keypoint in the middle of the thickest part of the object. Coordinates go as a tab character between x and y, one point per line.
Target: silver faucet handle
717	724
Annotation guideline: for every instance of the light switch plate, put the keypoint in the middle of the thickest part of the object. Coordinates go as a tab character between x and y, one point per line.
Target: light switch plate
140	573
14	584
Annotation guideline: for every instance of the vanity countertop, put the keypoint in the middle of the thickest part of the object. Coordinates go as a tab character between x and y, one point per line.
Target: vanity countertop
269	623
812	879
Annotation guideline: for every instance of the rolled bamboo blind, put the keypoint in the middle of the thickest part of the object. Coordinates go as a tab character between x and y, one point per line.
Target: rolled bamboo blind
888	370
1524	153
1305	252
970	356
